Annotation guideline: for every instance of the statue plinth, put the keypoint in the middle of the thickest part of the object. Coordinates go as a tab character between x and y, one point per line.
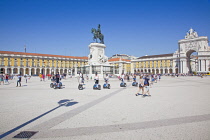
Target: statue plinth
97	54
97	60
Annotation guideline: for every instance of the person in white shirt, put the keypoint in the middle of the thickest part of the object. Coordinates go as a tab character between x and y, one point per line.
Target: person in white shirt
141	86
96	78
106	79
123	77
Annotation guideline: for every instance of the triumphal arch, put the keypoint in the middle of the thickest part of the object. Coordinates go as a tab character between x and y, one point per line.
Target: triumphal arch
193	54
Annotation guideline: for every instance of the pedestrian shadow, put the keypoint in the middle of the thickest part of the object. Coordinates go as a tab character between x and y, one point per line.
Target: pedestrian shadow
64	102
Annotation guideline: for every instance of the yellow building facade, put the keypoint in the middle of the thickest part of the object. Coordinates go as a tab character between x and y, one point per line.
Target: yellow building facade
156	64
34	63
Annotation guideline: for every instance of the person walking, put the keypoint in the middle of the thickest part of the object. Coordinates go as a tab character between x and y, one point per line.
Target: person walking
1	79
40	76
141	86
7	78
19	80
128	77
43	77
25	76
146	85
87	78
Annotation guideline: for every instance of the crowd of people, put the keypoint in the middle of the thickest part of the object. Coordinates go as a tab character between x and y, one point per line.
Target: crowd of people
145	81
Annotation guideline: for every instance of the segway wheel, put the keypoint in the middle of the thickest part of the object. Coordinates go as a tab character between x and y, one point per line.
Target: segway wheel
99	87
109	86
80	87
51	85
125	85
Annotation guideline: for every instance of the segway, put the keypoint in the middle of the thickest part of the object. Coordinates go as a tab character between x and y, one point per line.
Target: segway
58	86
95	87
123	84
135	84
106	86
80	87
52	85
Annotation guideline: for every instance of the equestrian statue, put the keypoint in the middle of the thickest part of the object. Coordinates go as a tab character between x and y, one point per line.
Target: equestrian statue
97	34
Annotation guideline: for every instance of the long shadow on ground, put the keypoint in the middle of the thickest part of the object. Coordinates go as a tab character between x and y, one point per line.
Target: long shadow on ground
65	102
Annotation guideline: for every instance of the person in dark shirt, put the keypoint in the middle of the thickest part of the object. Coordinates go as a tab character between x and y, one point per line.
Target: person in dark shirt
57	77
19	80
146	85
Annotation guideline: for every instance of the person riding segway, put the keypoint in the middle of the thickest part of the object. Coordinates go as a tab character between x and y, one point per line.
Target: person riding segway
134	81
106	79
58	83
81	82
96	85
123	84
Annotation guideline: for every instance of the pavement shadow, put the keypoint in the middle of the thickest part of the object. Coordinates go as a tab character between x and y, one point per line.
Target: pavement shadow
64	102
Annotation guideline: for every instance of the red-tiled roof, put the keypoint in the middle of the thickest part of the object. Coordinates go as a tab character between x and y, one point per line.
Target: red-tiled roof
45	55
118	59
153	56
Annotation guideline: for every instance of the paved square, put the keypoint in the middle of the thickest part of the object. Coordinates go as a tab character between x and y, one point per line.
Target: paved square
179	108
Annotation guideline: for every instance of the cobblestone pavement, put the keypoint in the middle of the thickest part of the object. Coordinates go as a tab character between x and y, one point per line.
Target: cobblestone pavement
179	108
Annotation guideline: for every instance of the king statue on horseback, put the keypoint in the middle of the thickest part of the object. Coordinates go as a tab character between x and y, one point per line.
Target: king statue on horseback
97	34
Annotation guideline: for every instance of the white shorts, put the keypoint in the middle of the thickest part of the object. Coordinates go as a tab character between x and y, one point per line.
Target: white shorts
147	88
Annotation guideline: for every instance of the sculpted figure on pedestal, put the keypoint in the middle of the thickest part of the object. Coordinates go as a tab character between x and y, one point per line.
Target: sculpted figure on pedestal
97	34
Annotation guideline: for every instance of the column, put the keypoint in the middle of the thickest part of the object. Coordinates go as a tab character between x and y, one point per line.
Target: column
132	68
59	70
12	72
24	71
29	71
75	70
18	70
184	66
35	71
6	70
45	71
101	70
203	65
198	65
90	70
113	69
67	72
120	68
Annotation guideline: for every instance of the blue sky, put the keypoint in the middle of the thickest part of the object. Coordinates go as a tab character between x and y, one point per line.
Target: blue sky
132	27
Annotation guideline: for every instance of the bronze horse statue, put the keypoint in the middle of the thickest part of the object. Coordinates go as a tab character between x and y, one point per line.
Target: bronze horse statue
97	35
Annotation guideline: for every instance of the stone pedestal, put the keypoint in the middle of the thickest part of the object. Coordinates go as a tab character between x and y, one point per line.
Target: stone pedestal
98	61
